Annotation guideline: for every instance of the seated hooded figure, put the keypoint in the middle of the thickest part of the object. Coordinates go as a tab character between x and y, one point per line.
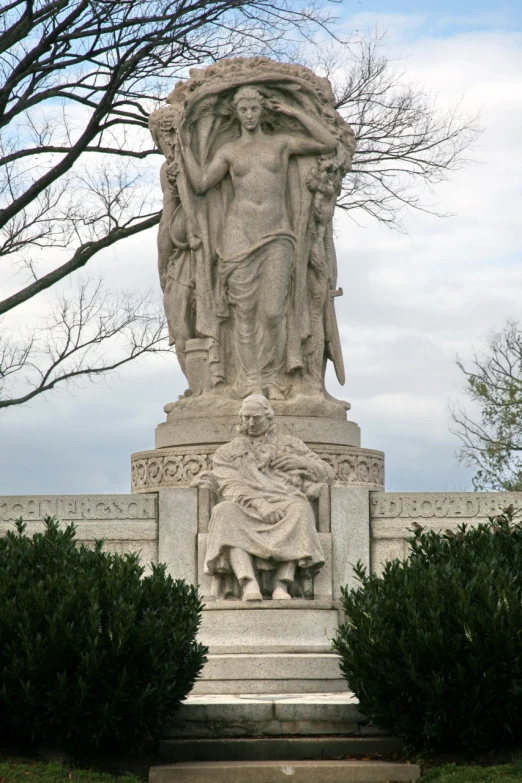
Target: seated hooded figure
264	522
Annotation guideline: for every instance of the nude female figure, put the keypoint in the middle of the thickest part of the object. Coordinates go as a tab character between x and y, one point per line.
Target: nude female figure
256	249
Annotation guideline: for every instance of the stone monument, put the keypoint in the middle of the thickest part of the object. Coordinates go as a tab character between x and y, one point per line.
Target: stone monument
255	155
255	159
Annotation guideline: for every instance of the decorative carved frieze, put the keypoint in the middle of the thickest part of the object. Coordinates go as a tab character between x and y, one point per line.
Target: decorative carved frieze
178	466
353	465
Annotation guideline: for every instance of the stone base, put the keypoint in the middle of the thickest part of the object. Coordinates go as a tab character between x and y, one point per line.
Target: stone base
278	715
210	404
275	772
270	647
269	672
186	431
277	748
269	630
177	466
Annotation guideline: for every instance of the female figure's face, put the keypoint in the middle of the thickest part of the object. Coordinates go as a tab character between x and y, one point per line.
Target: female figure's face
249	113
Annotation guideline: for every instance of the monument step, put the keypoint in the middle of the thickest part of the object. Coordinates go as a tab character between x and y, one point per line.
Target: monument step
272	666
282	772
269	715
268	630
276	748
258	686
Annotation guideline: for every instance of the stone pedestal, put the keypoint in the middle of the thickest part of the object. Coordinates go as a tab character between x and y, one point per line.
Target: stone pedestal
206	716
186	442
269	646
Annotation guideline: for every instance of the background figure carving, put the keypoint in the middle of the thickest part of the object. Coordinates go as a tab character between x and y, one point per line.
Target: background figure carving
255	156
262	535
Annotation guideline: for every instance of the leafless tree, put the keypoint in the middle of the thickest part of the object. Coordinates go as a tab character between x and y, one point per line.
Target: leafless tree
492	439
63	347
403	137
78	172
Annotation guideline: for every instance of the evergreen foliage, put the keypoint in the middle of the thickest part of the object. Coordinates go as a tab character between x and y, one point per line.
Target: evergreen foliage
91	651
433	647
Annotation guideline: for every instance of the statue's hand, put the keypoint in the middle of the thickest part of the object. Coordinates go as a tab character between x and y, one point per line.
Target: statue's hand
274	516
206	480
268	513
290	462
276	105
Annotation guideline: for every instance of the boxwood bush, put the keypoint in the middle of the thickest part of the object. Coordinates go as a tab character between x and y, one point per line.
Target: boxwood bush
433	647
92	652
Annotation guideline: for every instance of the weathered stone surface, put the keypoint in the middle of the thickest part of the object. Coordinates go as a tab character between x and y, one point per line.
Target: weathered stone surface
77	508
212	429
272	666
350	527
302	714
271	673
126	523
418	506
178	509
258	686
255	157
269	630
275	771
260	606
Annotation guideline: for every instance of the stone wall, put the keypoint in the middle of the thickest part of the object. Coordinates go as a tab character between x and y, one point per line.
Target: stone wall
127	523
163	526
392	515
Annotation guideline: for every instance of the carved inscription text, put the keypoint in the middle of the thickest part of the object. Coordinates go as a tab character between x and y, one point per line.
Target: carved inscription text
390	505
77	507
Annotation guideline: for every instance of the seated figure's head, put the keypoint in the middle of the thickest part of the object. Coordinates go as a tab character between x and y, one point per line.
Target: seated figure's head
248	104
256	415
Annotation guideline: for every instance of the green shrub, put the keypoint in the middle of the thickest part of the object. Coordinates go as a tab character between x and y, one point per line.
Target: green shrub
433	648
91	651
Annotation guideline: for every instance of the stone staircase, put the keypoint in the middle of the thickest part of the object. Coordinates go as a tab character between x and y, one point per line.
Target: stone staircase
263	738
276	748
269	647
236	673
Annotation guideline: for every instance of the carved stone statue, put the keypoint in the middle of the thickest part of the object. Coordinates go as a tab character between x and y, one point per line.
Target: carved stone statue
255	156
262	534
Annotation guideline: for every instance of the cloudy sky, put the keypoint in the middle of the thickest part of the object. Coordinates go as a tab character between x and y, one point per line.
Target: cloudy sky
412	301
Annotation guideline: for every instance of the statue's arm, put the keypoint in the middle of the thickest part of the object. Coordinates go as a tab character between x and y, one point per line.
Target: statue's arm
321	141
298	457
165	244
236	487
203	179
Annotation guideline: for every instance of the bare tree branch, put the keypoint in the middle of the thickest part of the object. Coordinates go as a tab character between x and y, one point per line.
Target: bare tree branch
87	334
78	260
403	137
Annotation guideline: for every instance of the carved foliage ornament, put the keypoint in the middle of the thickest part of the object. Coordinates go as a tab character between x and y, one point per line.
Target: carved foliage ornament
153	469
